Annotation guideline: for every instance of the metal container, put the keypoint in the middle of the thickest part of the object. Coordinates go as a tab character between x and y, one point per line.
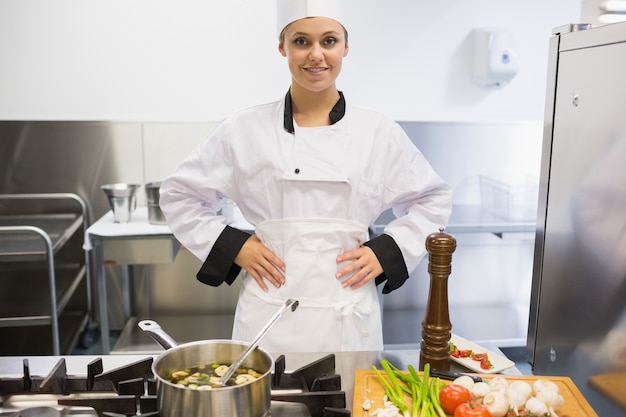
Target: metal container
122	199
248	400
155	214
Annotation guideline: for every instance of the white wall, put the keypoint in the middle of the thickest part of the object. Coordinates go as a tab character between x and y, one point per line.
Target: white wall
198	60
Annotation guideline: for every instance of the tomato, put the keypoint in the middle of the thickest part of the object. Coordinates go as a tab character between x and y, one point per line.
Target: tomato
478	356
455	352
483	358
452	395
471	409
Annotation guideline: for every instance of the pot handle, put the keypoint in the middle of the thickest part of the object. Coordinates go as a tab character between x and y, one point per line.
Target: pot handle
157	333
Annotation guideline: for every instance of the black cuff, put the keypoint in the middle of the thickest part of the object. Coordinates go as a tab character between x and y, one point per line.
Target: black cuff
390	257
220	265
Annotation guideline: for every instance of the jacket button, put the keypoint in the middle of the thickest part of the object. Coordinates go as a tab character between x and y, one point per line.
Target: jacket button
297	170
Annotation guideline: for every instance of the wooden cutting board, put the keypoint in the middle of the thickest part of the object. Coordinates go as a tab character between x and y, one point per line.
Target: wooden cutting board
612	385
367	386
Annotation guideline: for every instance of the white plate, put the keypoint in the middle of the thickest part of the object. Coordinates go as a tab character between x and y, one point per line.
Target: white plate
499	362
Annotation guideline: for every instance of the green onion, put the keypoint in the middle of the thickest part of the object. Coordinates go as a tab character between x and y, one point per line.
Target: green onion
400	385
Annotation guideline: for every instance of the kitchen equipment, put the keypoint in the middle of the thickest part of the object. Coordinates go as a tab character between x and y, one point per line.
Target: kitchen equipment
368	386
122	199
290	303
578	295
247	400
115	385
155	214
45	274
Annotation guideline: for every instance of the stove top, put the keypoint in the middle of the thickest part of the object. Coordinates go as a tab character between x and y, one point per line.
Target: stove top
313	390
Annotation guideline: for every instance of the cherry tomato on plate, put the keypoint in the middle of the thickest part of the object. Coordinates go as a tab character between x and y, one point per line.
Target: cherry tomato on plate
471	409
452	395
483	358
457	353
479	356
485	363
465	353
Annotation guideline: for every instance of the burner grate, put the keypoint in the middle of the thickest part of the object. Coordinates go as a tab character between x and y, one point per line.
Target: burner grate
130	390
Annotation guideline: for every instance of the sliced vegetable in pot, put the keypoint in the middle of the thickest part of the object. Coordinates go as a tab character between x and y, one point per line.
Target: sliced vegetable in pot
205	377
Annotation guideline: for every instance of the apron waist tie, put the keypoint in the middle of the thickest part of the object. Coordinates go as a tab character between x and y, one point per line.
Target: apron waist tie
357	312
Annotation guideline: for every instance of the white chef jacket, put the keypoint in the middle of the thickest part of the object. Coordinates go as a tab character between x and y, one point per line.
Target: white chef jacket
352	170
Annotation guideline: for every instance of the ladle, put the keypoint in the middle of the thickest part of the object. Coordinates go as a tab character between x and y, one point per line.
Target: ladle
235	365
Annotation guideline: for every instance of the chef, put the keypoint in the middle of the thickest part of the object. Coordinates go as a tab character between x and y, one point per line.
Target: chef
311	172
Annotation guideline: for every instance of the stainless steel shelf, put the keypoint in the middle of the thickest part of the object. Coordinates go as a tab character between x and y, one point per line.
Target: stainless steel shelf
42	267
27	247
20	305
36	340
474	219
468	218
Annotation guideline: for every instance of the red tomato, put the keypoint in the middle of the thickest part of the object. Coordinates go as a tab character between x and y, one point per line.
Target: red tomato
471	409
485	363
455	352
452	395
465	353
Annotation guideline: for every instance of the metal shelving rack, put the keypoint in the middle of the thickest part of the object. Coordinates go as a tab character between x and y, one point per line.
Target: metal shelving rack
42	267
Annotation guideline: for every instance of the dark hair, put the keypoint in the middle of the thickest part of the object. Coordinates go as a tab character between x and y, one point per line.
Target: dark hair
281	36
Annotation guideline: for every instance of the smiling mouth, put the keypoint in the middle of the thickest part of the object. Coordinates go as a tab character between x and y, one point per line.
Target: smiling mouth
316	69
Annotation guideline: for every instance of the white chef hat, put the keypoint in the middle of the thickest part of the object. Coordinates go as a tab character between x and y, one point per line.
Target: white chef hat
288	11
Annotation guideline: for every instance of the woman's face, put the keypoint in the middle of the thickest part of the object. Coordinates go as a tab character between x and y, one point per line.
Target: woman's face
314	48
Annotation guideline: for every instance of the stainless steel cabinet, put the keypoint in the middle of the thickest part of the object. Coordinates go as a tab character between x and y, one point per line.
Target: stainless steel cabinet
578	305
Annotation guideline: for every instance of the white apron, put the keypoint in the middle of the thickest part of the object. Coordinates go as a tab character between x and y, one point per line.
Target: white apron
329	318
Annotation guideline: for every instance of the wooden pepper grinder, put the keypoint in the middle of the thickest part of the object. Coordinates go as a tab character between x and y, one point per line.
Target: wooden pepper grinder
436	327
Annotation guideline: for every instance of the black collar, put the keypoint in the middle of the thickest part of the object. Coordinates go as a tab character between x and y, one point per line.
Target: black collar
336	114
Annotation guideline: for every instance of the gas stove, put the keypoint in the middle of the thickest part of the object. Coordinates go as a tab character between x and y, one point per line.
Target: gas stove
111	386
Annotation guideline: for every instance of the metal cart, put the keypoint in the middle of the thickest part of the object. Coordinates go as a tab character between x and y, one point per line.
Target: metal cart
43	272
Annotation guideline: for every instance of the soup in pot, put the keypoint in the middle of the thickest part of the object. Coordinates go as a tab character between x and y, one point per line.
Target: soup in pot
205	377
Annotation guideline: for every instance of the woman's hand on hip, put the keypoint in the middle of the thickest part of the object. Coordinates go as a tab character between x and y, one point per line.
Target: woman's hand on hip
261	263
365	267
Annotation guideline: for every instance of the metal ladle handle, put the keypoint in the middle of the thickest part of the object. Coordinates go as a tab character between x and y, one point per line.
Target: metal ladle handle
235	365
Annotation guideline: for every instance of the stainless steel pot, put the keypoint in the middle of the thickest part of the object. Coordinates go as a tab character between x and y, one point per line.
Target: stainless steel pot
155	214
248	400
